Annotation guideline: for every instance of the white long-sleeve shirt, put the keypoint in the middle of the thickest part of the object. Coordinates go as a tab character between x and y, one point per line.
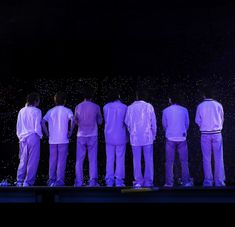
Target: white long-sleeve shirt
29	122
87	116
210	116
141	123
175	121
115	129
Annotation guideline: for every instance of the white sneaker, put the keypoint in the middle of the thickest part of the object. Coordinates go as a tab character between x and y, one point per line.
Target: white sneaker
168	185
137	185
188	184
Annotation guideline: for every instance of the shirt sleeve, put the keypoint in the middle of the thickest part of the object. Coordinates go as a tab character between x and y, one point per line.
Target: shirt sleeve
105	113
38	126
70	114
18	125
153	122
99	116
75	115
186	119
127	117
198	117
47	116
164	120
222	113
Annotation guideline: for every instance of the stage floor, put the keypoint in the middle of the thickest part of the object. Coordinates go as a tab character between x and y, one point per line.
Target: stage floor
65	195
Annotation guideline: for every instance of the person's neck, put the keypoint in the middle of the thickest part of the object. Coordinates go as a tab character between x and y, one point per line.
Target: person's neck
31	105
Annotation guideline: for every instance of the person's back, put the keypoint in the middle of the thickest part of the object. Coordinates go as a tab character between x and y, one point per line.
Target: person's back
29	132
115	129
87	116
58	120
29	122
210	116
141	123
175	122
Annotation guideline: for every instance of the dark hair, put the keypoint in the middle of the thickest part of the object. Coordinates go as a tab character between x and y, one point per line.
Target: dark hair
113	94
176	97
208	91
60	98
32	98
141	94
87	92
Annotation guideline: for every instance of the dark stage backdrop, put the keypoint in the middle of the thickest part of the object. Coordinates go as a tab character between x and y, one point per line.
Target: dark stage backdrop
62	45
157	86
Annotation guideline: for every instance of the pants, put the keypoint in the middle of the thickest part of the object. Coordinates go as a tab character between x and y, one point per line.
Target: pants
29	159
84	144
57	163
213	143
182	148
117	151
147	180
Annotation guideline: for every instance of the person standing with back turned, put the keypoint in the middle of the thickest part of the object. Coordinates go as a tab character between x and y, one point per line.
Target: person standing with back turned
87	117
141	124
116	138
210	118
29	132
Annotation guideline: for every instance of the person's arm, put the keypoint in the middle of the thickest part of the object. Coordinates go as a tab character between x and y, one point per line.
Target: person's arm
187	120
38	124
164	121
127	119
18	125
72	125
44	127
222	114
198	117
154	123
99	117
105	113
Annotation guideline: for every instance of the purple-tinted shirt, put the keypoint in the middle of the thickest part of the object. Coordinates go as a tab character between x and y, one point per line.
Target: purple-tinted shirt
29	122
141	123
115	129
210	116
87	116
175	121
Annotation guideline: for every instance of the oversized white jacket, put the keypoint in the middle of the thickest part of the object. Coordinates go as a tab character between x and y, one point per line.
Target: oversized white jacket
141	123
210	116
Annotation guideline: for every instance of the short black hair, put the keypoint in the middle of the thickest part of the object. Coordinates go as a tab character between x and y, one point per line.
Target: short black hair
113	94
176	97
32	98
142	94
87	92
60	98
208	91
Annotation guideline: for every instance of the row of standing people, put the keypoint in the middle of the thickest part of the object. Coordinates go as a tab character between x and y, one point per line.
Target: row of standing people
136	123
